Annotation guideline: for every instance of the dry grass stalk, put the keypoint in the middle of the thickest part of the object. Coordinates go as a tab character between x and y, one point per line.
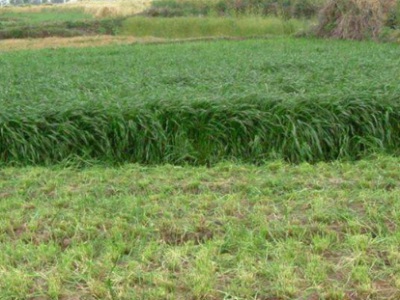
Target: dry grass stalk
354	19
102	9
99	9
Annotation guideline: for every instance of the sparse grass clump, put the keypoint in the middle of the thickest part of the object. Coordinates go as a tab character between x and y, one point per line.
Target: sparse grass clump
200	103
328	231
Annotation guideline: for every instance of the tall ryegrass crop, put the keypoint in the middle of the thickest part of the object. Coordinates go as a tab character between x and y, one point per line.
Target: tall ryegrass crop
204	132
193	27
200	103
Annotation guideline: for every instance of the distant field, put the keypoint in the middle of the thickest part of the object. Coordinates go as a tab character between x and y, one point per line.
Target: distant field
195	27
72	20
98	9
11	17
201	102
85	18
278	231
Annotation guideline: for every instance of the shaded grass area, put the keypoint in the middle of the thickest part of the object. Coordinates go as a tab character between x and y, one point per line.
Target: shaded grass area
200	103
278	231
192	27
74	22
70	28
42	23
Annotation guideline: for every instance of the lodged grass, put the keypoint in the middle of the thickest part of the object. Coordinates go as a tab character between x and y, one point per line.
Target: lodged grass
200	103
204	132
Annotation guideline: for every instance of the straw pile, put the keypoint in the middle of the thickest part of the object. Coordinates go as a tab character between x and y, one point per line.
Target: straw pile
354	19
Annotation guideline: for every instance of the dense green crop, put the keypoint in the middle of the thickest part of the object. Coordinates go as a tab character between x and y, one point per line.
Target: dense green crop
201	102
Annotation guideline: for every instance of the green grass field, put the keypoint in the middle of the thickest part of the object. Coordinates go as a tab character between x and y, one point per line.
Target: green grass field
200	103
262	169
277	231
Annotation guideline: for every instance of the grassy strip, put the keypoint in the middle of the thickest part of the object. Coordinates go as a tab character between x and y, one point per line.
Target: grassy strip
200	103
61	29
193	27
328	231
19	16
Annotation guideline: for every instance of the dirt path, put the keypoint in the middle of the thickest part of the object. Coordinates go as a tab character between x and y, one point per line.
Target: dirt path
76	42
97	41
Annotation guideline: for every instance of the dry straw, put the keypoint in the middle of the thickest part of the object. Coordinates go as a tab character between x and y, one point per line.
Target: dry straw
102	9
99	9
354	19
